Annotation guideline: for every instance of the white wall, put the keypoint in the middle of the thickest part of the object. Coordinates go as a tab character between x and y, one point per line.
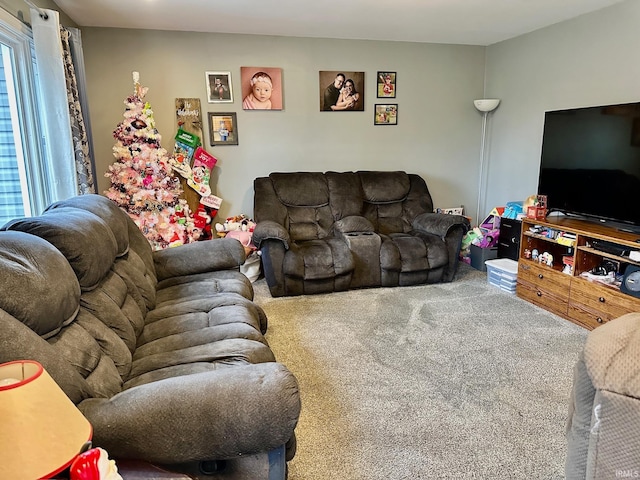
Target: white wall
22	11
591	60
437	136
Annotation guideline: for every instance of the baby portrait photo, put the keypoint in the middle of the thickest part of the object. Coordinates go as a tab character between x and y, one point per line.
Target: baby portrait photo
261	88
341	91
219	87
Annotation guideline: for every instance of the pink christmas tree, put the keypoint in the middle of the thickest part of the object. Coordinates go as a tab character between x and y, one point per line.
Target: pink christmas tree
142	181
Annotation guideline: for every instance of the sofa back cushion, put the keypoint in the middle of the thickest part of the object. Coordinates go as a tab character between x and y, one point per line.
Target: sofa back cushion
37	283
384	194
299	201
41	292
83	238
393	199
134	254
345	194
105	209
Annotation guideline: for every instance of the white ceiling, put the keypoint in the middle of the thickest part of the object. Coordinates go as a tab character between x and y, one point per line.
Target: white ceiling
471	22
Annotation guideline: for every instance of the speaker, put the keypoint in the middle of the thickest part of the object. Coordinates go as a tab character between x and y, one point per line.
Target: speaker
631	281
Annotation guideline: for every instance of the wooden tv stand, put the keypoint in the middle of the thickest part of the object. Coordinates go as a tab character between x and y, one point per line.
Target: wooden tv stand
567	294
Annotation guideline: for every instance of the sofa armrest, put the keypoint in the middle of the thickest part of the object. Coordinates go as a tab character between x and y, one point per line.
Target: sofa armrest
270	230
612	356
198	257
451	228
205	416
604	411
353	223
439	223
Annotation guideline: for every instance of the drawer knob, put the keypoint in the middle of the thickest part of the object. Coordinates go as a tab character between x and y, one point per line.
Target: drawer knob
601	299
599	320
540	276
539	293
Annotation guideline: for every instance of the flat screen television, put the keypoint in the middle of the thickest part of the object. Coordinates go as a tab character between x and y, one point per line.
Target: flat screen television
590	165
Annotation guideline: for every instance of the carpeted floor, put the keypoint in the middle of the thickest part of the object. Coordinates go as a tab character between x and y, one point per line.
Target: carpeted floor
457	380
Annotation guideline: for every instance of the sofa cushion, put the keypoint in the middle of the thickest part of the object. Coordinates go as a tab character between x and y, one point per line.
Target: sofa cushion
76	345
306	189
352	224
387	218
38	286
84	239
384	187
318	259
112	304
309	223
106	210
345	194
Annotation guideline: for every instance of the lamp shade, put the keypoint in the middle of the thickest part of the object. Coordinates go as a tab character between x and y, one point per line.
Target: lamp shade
41	430
486	104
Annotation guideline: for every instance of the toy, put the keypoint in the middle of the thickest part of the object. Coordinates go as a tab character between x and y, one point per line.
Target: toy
239	227
513	210
470	238
237	222
94	464
203	218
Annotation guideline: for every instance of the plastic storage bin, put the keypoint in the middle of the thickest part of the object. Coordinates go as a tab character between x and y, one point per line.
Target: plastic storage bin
503	273
479	256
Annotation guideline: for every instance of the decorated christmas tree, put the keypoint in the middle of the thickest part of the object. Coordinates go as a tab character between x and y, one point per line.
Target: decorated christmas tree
142	181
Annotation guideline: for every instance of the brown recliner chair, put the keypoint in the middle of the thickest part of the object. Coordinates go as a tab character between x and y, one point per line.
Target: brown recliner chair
324	232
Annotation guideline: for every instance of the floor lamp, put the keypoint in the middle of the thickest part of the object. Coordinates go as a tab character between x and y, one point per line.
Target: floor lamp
484	105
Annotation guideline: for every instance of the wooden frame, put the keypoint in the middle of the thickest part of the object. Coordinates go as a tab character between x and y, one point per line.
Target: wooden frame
219	88
223	128
386	86
385	114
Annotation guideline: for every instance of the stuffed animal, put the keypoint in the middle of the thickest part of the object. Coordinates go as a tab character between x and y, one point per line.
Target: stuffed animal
239	227
237	222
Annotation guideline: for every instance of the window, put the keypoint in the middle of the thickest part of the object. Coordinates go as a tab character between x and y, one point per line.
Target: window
23	191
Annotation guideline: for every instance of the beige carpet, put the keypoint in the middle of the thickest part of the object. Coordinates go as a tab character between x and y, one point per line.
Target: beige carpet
457	380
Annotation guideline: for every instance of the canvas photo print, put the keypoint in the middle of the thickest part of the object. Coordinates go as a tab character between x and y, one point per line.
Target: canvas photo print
341	91
261	88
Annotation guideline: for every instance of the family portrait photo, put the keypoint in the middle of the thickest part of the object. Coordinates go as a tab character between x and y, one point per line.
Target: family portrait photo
386	84
341	91
261	88
219	87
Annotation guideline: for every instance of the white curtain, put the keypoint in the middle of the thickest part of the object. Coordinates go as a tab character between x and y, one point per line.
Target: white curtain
67	150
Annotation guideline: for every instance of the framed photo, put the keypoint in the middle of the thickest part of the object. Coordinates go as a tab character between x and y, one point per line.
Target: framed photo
341	91
223	128
261	88
385	114
219	88
386	84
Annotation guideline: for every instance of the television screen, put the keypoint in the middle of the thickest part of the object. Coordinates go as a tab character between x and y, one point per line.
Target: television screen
590	163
